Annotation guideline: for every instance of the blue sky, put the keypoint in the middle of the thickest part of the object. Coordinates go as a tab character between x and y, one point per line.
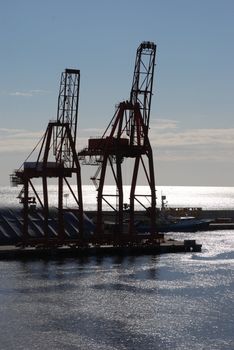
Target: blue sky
192	117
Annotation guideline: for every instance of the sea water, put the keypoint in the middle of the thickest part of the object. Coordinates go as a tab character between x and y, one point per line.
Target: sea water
171	301
176	196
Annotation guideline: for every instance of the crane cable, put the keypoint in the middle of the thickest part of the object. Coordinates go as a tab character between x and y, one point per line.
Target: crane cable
32	151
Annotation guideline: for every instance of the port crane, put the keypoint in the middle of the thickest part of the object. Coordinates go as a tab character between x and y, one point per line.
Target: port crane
126	136
57	158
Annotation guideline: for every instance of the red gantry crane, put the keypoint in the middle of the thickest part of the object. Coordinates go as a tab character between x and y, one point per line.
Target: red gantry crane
57	158
126	137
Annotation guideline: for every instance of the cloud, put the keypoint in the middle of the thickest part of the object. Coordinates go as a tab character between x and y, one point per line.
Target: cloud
218	154
22	140
193	137
29	93
171	143
168	141
17	93
194	144
18	140
162	124
4	131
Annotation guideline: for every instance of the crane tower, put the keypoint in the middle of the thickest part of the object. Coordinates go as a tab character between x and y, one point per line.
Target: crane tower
57	158
127	137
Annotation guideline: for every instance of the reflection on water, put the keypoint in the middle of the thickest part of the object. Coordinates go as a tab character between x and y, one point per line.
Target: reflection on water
176	301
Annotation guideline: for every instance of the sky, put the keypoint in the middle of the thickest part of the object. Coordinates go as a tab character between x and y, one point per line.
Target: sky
192	112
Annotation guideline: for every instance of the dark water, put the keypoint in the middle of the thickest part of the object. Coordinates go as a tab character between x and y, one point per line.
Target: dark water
176	301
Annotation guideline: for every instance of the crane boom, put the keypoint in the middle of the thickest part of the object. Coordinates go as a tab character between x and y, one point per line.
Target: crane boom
142	84
67	112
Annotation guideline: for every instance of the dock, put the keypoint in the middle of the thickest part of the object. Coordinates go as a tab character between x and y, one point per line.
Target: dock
11	252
